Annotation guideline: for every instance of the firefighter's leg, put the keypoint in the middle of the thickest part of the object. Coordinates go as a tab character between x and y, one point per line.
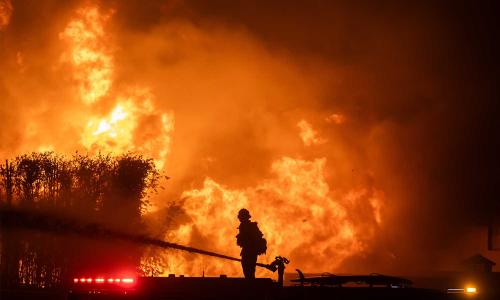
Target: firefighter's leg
244	266
252	263
248	263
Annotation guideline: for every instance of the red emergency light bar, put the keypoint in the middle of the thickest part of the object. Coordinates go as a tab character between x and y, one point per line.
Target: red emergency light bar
102	280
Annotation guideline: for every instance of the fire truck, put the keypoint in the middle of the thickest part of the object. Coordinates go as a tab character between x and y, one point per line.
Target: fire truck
327	286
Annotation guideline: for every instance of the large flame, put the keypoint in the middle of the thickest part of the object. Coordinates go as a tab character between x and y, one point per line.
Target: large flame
342	143
89	54
300	210
297	212
133	124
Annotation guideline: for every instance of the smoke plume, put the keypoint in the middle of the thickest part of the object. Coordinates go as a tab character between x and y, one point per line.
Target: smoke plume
361	137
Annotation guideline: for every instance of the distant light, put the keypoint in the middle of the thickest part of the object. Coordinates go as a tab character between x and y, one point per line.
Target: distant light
126	280
470	290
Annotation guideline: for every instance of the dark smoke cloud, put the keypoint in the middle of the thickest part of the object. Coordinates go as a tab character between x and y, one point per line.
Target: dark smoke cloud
417	82
416	79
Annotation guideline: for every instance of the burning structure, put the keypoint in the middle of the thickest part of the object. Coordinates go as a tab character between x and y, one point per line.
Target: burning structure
345	129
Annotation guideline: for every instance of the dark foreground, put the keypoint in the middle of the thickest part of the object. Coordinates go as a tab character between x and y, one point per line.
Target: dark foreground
228	288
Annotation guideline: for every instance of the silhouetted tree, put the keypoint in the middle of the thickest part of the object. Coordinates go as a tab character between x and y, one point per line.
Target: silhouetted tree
103	189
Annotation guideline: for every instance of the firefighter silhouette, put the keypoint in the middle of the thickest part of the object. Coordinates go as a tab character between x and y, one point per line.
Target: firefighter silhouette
251	242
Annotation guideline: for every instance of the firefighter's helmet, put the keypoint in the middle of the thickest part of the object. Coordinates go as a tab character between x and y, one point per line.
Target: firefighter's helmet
244	214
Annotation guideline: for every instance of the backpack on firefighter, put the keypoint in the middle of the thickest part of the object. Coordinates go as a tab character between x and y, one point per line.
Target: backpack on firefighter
252	238
261	245
260	241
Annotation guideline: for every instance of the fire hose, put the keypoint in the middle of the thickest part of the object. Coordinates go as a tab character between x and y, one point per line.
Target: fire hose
10	218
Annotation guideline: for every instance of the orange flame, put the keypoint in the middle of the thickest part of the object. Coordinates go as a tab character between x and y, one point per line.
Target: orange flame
132	124
89	54
308	135
297	212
